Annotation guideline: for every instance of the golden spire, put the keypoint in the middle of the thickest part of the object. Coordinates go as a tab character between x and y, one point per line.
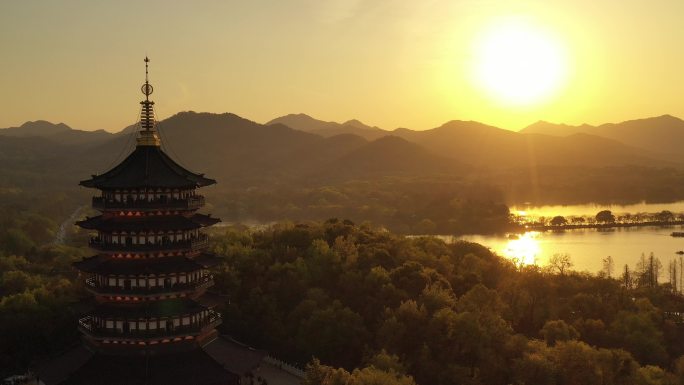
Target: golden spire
148	135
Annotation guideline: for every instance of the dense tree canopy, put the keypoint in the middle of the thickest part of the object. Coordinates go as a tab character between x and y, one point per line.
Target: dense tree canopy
447	313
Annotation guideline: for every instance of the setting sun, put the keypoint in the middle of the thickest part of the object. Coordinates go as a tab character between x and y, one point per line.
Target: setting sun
519	64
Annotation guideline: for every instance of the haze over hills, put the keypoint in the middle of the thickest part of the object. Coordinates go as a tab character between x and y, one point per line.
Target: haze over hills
389	155
662	135
482	145
59	133
306	123
236	150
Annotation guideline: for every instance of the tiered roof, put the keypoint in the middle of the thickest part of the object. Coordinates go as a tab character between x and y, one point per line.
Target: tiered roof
147	222
147	167
100	264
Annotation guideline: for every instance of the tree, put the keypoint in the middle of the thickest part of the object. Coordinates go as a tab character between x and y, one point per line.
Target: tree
627	280
608	266
665	216
639	334
333	333
558	330
558	220
425	226
318	374
578	220
560	262
605	216
576	363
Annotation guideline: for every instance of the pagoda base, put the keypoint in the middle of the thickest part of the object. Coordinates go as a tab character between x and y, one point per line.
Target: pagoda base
136	349
192	367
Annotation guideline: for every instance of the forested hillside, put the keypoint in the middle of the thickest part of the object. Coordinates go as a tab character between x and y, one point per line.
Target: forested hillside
354	297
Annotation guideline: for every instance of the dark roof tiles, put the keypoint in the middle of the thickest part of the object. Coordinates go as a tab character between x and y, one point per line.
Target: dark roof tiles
194	367
147	223
103	265
163	308
146	167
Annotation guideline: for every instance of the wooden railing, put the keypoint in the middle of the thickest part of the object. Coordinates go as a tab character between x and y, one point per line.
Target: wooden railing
193	244
202	283
189	203
88	326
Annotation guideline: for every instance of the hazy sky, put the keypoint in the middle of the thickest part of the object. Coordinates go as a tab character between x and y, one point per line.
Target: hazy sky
387	63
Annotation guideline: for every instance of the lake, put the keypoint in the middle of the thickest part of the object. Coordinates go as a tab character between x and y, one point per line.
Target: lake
588	247
591	209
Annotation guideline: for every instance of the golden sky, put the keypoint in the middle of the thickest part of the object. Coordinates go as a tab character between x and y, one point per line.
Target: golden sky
388	63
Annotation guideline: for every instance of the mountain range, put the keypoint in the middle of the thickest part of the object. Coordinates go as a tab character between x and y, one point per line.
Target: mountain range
660	135
300	148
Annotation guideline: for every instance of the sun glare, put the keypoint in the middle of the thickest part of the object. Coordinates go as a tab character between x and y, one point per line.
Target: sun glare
520	64
524	249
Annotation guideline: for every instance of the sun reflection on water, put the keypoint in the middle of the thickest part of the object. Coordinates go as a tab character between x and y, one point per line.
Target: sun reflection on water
523	249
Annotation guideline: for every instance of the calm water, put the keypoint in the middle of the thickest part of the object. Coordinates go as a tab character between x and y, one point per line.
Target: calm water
592	209
588	247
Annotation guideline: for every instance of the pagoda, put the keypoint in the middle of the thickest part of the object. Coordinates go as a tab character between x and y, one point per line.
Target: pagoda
148	324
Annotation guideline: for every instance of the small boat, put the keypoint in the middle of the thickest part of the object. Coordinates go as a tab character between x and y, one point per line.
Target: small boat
680	252
677	234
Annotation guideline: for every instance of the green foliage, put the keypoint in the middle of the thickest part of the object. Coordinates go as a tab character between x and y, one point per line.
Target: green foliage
37	318
355	297
640	335
605	216
317	374
407	205
558	221
558	330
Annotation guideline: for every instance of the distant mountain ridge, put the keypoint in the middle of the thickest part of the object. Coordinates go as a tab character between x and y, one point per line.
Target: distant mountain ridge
59	133
663	134
35	128
240	152
306	123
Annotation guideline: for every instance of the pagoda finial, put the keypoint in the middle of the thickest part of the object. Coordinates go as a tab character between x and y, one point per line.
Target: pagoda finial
147	88
148	135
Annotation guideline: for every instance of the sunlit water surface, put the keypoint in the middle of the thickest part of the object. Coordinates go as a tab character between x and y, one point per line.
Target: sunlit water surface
591	209
588	247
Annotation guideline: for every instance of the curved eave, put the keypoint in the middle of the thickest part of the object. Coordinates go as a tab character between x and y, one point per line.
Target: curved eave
97	183
102	265
207	260
163	308
148	223
147	167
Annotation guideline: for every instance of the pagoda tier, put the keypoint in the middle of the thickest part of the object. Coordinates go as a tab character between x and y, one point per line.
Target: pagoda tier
147	223
149	323
145	200
134	280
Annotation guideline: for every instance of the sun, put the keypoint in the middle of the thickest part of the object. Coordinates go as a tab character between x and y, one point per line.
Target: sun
518	63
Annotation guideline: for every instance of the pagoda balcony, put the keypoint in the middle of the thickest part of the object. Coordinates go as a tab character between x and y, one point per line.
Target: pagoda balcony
189	203
178	288
88	325
194	244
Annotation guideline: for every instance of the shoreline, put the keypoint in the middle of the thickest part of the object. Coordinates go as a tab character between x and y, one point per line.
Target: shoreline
525	228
